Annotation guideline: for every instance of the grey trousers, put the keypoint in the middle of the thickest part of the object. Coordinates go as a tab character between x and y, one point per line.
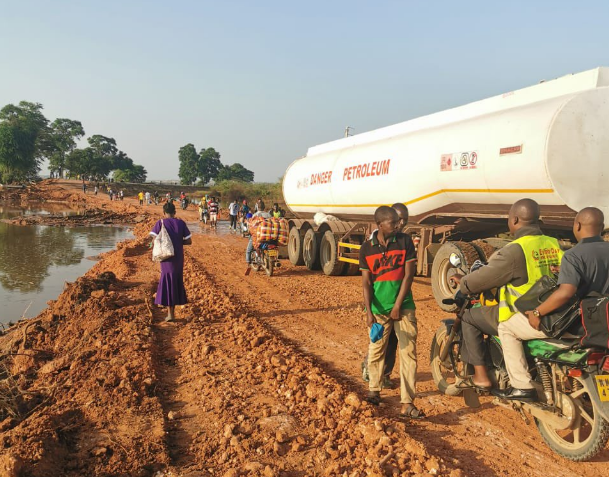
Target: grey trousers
476	323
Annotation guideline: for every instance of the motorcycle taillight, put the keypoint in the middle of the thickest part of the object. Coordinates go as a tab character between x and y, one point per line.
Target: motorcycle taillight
606	364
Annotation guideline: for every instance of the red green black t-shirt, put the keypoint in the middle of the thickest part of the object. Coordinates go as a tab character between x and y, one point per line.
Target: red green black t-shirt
386	267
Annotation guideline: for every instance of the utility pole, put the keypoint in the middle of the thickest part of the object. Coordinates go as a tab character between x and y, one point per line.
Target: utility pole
348	130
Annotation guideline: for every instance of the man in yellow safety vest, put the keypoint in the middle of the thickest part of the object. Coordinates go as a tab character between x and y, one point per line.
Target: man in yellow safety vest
513	269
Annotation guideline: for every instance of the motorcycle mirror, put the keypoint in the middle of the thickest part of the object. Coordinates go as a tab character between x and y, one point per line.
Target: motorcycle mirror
455	260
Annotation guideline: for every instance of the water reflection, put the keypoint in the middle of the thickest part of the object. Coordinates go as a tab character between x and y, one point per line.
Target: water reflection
26	253
35	261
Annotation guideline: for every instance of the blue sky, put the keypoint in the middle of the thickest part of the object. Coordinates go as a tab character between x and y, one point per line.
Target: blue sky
261	81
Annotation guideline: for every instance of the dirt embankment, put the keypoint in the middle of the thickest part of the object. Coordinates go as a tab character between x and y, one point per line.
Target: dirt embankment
98	384
258	377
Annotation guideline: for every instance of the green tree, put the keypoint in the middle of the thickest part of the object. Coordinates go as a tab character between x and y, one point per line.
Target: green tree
209	165
189	160
136	173
21	130
235	172
78	161
62	141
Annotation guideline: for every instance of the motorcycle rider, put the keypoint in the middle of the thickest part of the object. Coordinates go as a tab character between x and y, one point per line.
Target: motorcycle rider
513	270
584	269
250	244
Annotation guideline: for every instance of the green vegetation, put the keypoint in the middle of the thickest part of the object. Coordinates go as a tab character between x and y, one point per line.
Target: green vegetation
27	138
206	166
239	190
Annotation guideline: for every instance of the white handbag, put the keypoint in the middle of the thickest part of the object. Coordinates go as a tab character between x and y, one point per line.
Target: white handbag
163	246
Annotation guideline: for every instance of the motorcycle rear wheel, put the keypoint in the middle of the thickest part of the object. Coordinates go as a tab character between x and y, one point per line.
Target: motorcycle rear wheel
268	265
442	372
588	437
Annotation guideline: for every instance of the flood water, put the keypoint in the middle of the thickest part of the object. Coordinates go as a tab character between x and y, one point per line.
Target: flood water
36	261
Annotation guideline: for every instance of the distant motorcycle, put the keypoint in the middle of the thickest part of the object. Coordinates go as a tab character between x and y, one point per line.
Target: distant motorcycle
184	203
266	257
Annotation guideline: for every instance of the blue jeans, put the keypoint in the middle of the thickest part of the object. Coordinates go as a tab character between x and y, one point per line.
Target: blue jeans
249	250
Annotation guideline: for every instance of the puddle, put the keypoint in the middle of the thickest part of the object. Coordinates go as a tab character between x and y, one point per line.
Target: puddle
36	261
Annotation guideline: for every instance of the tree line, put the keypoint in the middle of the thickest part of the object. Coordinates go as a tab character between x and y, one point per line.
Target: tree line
27	138
206	166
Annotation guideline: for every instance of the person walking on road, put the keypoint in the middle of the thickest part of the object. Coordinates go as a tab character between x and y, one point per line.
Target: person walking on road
259	206
388	264
213	209
140	197
233	211
147	197
170	291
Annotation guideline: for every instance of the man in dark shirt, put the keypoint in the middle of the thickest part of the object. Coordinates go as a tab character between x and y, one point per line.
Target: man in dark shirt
387	262
392	345
584	268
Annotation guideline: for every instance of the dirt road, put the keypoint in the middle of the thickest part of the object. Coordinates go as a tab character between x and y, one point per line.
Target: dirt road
258	376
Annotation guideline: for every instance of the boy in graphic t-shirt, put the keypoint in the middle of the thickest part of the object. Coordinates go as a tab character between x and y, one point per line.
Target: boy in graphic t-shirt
388	264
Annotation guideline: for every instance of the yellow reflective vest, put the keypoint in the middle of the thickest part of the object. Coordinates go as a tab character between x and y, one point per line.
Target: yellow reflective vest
541	252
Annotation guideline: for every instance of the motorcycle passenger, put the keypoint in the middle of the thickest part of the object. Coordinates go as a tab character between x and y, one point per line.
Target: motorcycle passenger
584	269
513	270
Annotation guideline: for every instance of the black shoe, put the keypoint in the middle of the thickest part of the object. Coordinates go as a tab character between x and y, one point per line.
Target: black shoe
513	394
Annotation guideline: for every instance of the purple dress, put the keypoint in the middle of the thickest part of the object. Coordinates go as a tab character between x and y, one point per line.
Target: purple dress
171	291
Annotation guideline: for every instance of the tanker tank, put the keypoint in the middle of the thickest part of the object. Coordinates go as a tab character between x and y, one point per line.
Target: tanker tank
549	142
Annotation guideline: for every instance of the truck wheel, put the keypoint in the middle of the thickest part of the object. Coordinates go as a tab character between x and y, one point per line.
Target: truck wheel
485	250
328	255
351	269
295	246
442	270
310	250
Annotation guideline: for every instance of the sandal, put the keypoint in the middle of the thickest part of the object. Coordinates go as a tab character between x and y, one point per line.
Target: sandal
374	399
469	384
413	412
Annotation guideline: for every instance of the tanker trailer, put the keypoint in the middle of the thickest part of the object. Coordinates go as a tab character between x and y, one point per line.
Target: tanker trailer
458	171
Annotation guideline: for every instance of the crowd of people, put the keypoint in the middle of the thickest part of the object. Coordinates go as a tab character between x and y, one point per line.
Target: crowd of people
387	263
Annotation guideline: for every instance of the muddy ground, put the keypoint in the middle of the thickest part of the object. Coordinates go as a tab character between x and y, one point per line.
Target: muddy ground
258	376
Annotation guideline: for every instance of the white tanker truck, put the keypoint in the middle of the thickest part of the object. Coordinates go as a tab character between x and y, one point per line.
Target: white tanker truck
458	171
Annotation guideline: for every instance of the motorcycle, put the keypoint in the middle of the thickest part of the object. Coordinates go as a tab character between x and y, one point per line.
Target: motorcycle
184	203
266	257
572	412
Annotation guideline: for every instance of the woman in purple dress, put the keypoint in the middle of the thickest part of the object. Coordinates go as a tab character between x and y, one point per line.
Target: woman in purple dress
171	291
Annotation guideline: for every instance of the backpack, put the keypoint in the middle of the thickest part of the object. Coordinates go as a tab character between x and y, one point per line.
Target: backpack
595	319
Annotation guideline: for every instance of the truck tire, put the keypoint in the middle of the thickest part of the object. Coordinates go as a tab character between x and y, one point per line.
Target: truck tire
351	269
328	255
310	250
485	250
295	246
442	270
